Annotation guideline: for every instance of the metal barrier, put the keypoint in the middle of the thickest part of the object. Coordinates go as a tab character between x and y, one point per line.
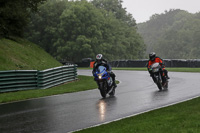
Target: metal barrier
18	80
15	80
55	76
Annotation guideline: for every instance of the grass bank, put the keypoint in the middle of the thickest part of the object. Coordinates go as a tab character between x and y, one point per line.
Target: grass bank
20	54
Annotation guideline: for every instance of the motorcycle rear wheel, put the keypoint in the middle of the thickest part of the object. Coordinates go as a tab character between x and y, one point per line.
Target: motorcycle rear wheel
112	93
166	85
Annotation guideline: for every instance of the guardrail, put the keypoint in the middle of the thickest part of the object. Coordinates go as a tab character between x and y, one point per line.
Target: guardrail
55	76
15	80
18	80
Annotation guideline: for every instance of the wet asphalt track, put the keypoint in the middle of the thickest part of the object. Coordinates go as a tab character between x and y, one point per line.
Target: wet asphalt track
69	112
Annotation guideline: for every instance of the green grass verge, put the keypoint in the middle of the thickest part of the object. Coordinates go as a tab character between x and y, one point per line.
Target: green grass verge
180	118
84	83
183	69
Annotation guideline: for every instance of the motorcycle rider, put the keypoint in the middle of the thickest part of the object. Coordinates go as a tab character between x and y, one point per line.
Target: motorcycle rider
102	62
155	59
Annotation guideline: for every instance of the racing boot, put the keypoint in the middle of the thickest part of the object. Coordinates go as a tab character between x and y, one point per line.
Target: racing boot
167	76
113	76
114	84
166	73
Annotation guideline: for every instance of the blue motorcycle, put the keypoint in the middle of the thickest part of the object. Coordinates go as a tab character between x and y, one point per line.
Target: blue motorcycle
104	81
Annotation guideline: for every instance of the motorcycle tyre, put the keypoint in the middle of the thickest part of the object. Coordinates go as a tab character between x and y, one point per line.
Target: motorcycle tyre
166	85
112	93
103	90
159	86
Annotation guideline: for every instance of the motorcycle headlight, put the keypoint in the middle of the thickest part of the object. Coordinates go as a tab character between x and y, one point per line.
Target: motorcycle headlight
156	70
100	76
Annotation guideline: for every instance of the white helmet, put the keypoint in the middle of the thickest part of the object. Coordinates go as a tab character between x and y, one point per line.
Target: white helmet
99	56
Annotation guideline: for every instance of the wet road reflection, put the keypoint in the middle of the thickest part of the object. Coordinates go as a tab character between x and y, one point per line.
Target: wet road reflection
160	95
102	109
105	106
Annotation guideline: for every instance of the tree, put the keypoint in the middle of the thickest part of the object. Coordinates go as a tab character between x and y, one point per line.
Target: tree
173	34
15	15
73	30
43	28
115	6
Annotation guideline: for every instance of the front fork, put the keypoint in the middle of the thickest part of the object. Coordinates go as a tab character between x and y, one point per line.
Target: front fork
100	84
157	77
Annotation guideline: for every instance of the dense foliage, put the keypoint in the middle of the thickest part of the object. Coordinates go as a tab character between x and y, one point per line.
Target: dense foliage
173	34
14	16
73	30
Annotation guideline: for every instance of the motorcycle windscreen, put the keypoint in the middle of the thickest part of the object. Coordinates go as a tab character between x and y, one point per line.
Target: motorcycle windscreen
155	65
101	69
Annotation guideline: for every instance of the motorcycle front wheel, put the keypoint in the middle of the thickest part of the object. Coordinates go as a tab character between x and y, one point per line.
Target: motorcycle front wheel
159	86
158	82
102	89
